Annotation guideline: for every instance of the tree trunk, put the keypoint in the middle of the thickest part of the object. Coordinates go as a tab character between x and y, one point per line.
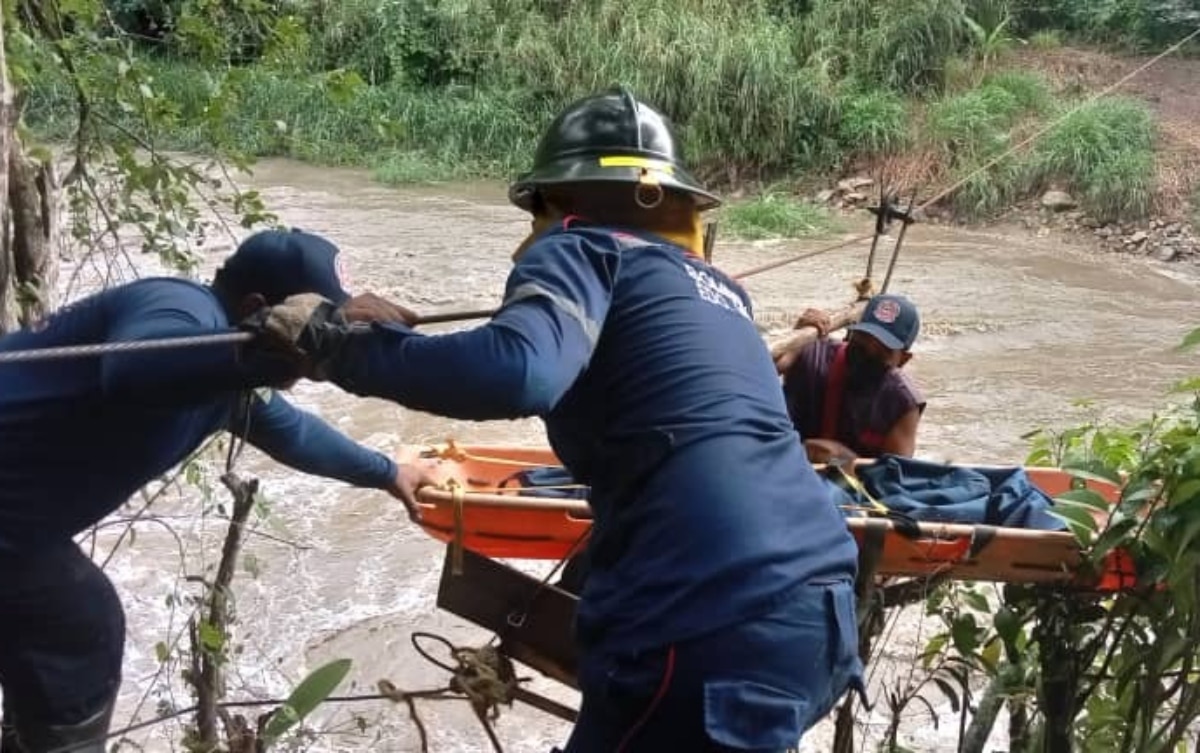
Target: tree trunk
33	193
7	116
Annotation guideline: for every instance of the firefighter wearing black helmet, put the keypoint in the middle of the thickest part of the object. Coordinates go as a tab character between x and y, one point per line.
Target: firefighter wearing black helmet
719	613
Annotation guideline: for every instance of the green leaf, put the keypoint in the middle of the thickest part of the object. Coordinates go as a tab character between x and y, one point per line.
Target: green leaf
948	691
934	648
976	601
1083	498
965	634
1008	625
1191	340
1191	384
1114	536
1078	519
1095	471
1039	458
309	694
161	652
990	656
210	637
1185	491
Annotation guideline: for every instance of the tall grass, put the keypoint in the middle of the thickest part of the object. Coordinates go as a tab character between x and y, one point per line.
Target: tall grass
974	127
1103	151
874	122
727	73
775	215
759	90
900	45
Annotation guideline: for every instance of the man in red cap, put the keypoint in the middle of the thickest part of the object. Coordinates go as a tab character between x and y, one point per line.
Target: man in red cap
851	399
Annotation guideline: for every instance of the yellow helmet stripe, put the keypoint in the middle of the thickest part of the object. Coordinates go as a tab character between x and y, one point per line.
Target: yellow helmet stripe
624	160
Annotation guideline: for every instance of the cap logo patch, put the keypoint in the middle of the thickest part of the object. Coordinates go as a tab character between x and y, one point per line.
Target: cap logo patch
887	312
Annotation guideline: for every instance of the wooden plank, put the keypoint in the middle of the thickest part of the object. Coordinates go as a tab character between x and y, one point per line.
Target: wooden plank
494	596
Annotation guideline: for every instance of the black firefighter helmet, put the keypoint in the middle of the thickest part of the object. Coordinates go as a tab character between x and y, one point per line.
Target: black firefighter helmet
609	137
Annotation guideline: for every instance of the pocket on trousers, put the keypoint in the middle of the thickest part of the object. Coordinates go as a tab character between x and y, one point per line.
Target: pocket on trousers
848	666
745	715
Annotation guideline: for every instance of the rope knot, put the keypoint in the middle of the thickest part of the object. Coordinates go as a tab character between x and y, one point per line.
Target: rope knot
486	677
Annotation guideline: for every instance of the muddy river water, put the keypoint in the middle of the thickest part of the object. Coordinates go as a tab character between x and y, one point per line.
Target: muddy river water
1016	329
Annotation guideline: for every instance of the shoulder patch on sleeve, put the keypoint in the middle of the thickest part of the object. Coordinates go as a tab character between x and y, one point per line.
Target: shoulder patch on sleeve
265	394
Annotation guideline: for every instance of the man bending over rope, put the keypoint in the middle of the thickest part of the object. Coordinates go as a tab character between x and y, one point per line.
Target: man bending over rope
79	437
719	611
851	399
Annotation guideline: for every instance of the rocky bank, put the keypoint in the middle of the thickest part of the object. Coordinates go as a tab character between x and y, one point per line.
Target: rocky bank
1165	240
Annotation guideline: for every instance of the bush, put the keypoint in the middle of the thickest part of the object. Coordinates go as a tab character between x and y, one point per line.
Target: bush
1030	90
873	122
975	124
1104	152
772	215
1046	39
1145	25
901	45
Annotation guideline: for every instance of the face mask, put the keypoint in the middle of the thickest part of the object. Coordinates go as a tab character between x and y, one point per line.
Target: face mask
863	368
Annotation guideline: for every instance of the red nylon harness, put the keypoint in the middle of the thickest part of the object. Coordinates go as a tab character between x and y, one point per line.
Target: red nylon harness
835	388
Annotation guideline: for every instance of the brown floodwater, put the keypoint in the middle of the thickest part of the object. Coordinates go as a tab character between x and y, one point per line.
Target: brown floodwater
1016	329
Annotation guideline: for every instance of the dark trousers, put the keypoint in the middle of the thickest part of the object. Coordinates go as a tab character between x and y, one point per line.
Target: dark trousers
62	639
756	686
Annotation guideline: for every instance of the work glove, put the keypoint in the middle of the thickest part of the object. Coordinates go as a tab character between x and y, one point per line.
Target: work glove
306	327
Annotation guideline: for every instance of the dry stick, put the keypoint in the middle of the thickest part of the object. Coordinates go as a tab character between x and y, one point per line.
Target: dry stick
210	681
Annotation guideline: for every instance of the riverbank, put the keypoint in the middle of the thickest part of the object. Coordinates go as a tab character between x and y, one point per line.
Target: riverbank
778	113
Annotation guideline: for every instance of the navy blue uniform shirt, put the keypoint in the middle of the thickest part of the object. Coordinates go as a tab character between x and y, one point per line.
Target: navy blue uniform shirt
78	437
658	392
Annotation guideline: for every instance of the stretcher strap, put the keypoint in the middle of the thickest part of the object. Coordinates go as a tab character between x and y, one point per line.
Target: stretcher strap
452	451
856	485
457	496
981	536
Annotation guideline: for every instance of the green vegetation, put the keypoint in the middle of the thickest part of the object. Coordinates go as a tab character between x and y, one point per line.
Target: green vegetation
1046	39
1103	152
425	90
772	215
1078	671
1141	25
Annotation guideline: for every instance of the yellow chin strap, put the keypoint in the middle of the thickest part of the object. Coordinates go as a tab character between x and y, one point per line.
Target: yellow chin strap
687	233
